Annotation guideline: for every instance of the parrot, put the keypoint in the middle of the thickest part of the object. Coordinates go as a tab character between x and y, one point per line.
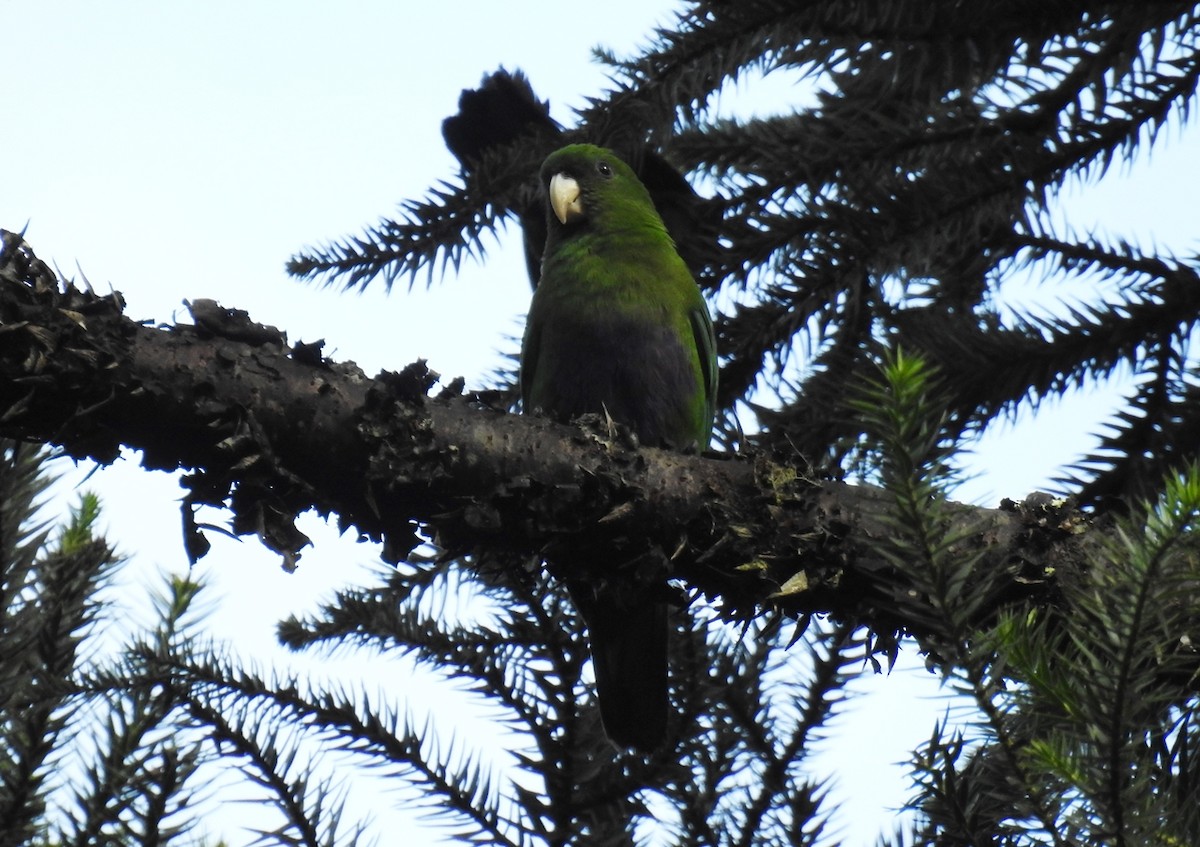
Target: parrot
618	326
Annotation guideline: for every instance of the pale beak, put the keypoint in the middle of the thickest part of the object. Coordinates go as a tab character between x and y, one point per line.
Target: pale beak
565	198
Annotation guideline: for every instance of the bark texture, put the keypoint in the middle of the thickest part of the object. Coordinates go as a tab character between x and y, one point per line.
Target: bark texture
269	430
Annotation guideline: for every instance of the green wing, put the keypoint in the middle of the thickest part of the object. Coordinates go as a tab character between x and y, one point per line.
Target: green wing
529	356
706	346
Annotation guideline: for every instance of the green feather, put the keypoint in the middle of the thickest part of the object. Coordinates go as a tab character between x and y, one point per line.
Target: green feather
618	326
614	271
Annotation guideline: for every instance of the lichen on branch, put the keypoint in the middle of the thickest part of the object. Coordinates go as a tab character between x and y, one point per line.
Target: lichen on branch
267	430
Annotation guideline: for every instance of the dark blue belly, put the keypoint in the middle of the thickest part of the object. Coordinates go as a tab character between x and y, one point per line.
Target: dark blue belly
637	371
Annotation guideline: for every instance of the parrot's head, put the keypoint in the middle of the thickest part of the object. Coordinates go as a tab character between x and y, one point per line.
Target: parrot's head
593	188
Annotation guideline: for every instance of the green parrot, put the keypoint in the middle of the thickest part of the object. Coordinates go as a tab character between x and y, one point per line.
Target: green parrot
618	326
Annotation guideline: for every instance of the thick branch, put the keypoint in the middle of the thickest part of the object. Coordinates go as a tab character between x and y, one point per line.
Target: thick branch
270	430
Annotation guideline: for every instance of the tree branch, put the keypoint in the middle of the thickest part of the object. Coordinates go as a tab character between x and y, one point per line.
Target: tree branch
268	431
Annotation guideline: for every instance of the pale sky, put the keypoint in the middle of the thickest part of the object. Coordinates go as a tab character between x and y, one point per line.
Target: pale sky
185	150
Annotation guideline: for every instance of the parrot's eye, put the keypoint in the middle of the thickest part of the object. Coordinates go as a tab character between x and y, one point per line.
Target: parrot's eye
604	169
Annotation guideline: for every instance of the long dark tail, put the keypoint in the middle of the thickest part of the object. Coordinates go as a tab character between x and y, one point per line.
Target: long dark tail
629	651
